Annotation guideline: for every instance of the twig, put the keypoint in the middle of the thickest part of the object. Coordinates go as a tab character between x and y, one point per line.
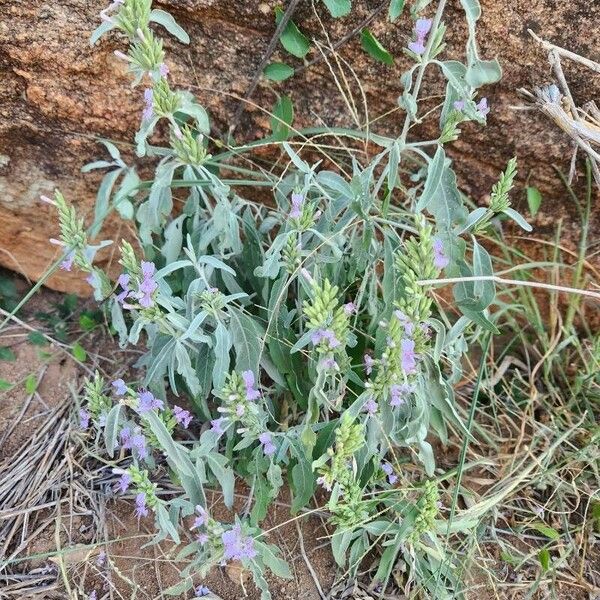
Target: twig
594	66
310	568
502	281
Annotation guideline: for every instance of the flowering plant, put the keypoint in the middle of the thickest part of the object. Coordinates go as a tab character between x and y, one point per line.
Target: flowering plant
305	336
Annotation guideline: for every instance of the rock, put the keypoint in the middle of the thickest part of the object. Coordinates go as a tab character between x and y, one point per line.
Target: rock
59	96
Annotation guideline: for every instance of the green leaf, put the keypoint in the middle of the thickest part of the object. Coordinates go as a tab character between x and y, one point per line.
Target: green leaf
102	200
544	557
87	322
168	22
278	71
302	480
79	352
217	463
518	219
30	383
111	429
37	339
395	9
222	346
7	354
268	553
338	8
435	170
373	47
292	39
5	385
283	116
546	530
165	523
247	336
534	200
174	452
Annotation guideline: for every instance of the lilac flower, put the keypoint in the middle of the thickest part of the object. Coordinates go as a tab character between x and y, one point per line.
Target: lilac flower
267	443
101	560
240	410
202	538
325	335
482	107
84	418
440	260
147	286
182	416
148	105
125	437
349	308
237	546
201	519
120	387
368	363
389	471
202	591
324	483
124	482
163	70
370	406
296	211
148	402
102	420
405	321
123	281
459	105
217	425
422	27
398	393
141	510
251	392
67	263
138	442
329	363
409	358
92	596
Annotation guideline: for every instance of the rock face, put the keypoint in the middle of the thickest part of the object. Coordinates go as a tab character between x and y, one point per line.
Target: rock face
59	96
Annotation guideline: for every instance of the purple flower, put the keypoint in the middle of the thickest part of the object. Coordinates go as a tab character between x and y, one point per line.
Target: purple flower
368	363
349	308
138	442
389	471
482	107
409	358
327	335
267	443
84	418
101	560
148	105
141	509
124	482
148	402
147	286
240	410
329	363
440	260
125	437
120	387
202	538
92	596
370	406
296	211
422	27
201	591
201	519
237	546
459	105
398	393
323	483
148	269
163	70
182	416
217	425
67	263
405	321
251	392
123	281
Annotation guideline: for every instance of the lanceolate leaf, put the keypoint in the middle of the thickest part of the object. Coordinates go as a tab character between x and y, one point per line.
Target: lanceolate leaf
278	71
338	8
373	47
283	116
